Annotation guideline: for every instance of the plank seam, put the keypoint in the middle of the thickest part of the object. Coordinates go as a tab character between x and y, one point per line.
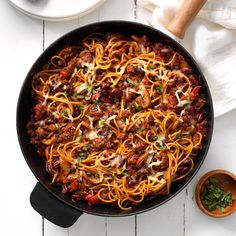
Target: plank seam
135	10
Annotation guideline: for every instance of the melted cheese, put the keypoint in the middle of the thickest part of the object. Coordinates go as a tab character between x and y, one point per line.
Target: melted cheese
117	161
82	88
155	163
56	85
91	71
110	118
90	66
143	49
91	121
122	70
74	72
45	100
92	134
181	103
154	178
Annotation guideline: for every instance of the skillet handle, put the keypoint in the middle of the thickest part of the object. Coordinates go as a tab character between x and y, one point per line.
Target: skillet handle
53	209
184	16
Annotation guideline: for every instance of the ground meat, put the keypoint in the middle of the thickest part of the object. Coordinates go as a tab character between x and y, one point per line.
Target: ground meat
41	132
66	133
140	146
98	143
111	144
86	57
40	111
115	93
172	101
68	53
130	69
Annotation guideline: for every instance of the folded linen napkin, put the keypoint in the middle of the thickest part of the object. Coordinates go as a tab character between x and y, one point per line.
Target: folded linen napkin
211	39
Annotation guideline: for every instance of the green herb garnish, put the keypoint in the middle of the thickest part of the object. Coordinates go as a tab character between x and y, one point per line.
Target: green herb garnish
155	138
86	147
93	175
214	197
153	66
64	112
159	88
79	159
89	89
75	95
178	135
140	130
138	107
213	180
95	102
129	80
125	173
162	145
82	154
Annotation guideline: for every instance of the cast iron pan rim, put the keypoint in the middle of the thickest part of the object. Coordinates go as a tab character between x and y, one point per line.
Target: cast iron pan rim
190	58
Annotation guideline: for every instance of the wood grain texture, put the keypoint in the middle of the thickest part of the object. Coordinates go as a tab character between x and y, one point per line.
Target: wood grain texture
17	180
167	219
184	16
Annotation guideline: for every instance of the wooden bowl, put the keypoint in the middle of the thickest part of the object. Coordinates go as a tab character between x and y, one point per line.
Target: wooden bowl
227	181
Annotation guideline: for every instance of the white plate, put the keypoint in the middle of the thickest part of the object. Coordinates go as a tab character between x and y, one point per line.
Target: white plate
56	10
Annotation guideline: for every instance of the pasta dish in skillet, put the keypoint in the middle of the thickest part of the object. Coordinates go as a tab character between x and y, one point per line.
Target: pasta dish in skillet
118	119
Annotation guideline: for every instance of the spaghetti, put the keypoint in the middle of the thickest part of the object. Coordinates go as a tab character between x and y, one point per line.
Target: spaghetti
117	119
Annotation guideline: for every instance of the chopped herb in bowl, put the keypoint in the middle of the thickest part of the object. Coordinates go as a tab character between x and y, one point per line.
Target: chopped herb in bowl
214	197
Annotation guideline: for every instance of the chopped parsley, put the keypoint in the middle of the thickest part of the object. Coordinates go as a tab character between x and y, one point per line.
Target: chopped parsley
75	95
159	88
64	112
140	130
79	159
82	154
125	173
86	147
214	197
93	175
153	66
138	107
129	80
95	102
155	138
162	145
178	135
89	89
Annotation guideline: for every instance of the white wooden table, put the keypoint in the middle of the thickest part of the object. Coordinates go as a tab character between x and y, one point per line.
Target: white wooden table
22	40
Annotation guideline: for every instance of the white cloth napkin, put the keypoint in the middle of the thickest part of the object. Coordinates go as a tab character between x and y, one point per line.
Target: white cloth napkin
211	39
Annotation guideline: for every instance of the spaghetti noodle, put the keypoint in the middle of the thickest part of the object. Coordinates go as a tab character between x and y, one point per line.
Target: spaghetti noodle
117	119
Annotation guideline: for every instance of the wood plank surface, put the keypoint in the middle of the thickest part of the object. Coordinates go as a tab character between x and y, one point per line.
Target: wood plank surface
19	47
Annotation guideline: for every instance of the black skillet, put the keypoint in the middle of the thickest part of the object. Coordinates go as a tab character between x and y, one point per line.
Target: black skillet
46	198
